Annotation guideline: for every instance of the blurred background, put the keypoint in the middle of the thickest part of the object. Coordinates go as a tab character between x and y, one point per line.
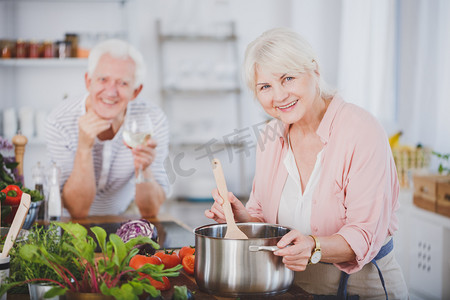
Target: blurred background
391	57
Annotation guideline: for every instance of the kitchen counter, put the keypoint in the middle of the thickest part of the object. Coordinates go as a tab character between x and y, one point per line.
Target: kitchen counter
294	292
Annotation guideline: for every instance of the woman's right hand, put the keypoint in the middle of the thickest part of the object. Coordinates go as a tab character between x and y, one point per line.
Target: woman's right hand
216	212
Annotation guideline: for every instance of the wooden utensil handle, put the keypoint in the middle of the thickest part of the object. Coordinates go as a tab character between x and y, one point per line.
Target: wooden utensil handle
223	191
17	223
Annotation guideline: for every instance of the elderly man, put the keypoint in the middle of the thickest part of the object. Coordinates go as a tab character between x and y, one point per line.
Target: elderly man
84	138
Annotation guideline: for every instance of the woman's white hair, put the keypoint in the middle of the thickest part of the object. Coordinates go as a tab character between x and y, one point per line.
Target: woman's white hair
118	49
281	50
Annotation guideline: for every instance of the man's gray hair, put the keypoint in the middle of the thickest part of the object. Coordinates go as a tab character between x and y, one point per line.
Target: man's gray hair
118	49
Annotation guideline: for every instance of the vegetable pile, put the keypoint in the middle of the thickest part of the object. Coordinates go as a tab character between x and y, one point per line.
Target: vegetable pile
165	260
135	228
11	185
10	196
109	273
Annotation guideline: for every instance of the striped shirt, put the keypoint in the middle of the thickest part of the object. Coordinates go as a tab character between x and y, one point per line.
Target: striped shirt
113	161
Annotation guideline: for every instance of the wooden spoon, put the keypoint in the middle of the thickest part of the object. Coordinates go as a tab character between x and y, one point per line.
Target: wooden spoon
233	232
17	224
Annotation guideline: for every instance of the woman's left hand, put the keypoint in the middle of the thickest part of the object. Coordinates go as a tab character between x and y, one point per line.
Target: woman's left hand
296	256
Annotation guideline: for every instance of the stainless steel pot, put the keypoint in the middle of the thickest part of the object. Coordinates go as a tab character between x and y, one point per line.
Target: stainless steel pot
234	268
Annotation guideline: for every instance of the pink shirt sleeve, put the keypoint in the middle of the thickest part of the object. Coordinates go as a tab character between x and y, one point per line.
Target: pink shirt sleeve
367	190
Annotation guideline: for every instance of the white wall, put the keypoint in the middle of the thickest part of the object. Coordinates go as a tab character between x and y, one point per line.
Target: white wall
319	22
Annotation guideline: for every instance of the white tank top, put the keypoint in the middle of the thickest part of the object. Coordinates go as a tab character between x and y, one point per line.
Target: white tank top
295	205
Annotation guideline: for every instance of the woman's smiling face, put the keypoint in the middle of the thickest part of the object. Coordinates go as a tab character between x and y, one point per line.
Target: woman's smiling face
287	97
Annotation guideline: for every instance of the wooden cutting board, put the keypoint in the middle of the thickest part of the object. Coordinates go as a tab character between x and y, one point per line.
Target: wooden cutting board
294	292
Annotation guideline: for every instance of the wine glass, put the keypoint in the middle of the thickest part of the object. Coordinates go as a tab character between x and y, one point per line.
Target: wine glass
137	131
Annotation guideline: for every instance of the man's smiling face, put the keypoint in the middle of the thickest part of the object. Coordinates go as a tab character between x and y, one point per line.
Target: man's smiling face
111	86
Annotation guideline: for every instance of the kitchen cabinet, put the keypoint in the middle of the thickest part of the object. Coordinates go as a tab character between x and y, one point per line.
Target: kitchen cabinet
421	247
201	95
31	87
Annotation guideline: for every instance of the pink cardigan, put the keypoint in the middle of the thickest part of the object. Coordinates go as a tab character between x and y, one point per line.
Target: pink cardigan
357	194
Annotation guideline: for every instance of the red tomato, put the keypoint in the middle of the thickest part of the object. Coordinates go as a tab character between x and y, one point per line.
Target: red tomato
162	286
189	263
186	250
169	260
138	261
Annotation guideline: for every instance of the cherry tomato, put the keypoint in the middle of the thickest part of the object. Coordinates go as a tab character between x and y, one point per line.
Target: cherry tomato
138	261
162	286
188	264
186	250
169	259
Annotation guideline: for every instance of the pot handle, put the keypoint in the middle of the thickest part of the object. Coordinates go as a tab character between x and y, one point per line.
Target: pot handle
254	248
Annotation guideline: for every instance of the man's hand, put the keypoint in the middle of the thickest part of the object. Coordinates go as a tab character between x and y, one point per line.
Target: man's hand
89	126
144	155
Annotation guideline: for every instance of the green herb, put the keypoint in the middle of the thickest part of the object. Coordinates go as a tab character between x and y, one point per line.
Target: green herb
50	239
7	170
107	273
34	194
182	293
444	162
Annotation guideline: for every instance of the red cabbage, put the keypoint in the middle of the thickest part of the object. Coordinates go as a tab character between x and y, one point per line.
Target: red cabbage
141	227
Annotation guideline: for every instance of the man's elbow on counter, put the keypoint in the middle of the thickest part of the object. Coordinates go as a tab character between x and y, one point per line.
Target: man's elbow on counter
149	212
78	214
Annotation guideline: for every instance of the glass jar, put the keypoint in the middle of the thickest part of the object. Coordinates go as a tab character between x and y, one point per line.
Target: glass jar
63	49
72	38
21	50
48	49
85	43
6	48
33	51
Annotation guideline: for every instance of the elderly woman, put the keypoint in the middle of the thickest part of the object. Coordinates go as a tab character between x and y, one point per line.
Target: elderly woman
325	169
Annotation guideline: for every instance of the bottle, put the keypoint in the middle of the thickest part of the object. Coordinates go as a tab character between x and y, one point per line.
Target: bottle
38	178
54	196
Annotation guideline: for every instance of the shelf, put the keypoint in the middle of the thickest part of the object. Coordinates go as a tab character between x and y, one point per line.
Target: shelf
201	64
197	38
62	1
43	62
201	91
